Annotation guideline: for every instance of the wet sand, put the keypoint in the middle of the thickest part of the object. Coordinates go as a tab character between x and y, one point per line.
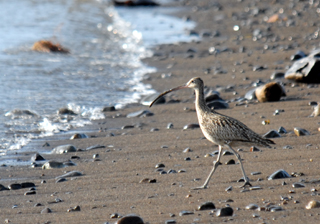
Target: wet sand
111	183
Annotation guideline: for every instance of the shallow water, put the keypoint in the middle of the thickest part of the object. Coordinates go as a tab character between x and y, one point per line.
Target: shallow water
103	68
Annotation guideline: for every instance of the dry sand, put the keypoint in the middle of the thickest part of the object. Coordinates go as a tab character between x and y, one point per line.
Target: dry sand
111	185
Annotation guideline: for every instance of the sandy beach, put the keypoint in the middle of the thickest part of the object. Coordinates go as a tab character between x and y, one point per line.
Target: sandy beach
115	175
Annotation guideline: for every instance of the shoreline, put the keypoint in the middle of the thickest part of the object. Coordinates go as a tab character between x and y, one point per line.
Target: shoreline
111	181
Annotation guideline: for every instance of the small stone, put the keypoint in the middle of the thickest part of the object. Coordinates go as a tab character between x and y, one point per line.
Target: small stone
191	126
171	221
27	185
64	149
169	126
255	188
37	205
127	126
313	204
227	153
74	209
30	192
53	164
61	180
78	136
46	210
206	206
227	211
282	130
37	157
14	186
108	109
114	216
182	213
187	150
228	189
66	111
252	207
272	134
300	131
254	149
159	165
255	173
298	185
231	162
276	209
130	219
278	175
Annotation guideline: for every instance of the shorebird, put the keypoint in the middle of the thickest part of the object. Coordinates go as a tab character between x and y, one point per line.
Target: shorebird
220	129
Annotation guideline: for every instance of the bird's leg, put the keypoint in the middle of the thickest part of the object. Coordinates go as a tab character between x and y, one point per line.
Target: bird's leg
246	179
215	165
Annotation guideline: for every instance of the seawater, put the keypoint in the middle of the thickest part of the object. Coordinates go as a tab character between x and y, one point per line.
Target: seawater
103	68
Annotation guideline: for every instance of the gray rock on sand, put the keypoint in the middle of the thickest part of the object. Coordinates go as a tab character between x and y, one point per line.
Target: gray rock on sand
53	164
70	174
305	69
64	149
278	175
37	157
130	219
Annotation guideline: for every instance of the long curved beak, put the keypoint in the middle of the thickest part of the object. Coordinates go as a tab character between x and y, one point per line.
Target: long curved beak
168	91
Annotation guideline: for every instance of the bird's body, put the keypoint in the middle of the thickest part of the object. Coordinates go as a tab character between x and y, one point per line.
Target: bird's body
220	129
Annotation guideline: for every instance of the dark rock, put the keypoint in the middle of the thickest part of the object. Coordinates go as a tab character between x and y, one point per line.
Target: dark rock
159	165
37	157
282	130
14	186
2	188
171	221
37	205
61	180
206	206
64	149
132	3
231	162
169	126
298	55
108	109
227	211
278	175
127	126
130	219
254	149
140	113
27	185
272	134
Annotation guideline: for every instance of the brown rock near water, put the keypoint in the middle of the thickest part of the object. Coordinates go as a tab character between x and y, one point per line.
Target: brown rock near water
48	46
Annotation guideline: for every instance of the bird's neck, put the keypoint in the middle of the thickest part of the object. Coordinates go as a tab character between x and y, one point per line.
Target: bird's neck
200	103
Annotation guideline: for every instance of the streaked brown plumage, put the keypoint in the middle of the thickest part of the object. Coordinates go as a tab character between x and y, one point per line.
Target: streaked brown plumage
220	129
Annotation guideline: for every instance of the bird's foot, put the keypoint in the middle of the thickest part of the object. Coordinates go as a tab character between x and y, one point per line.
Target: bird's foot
200	188
247	183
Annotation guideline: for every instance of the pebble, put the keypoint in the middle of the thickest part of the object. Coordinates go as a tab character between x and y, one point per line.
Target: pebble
279	174
228	189
276	209
140	113
184	212
169	126
313	204
252	207
74	209
251	94
282	130
114	216
255	188
108	109
46	210
206	206
171	221
66	111
30	192
254	149
171	171
127	127
79	136
227	153
316	111
230	162
70	174
272	134
227	211
130	219
37	157
218	104
159	165
187	150
61	180
191	126
147	180
300	131
14	186
255	173
64	149
53	164
298	185
277	75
